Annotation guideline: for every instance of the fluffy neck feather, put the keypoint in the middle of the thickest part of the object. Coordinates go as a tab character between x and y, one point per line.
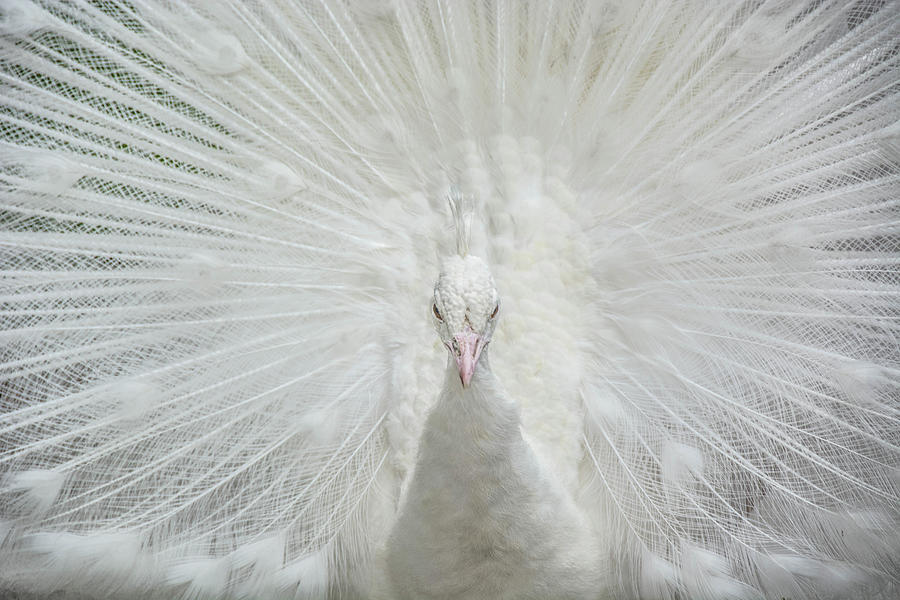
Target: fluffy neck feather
482	517
481	418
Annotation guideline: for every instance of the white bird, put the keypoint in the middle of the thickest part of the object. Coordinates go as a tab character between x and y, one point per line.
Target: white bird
664	240
483	518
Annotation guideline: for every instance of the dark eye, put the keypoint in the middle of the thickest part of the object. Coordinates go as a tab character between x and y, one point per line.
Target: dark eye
436	312
496	310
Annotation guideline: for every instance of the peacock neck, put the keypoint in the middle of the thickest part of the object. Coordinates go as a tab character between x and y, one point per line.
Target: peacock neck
471	452
481	514
481	413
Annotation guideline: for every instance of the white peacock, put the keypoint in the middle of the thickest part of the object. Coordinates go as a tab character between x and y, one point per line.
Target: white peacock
221	223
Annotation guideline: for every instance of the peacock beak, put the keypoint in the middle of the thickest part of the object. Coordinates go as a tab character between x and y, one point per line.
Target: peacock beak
466	351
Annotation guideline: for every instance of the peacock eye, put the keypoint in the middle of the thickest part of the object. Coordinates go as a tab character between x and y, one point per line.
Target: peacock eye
496	310
436	312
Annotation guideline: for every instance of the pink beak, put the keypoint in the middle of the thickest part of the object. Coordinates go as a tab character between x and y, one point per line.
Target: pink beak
468	349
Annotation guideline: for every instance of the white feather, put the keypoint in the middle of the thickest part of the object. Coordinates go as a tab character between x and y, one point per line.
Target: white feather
307	578
22	17
35	490
199	578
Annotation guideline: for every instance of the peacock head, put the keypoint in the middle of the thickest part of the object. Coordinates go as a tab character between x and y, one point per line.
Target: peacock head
466	304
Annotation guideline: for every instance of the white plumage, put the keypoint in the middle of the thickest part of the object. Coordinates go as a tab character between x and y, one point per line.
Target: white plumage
221	227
